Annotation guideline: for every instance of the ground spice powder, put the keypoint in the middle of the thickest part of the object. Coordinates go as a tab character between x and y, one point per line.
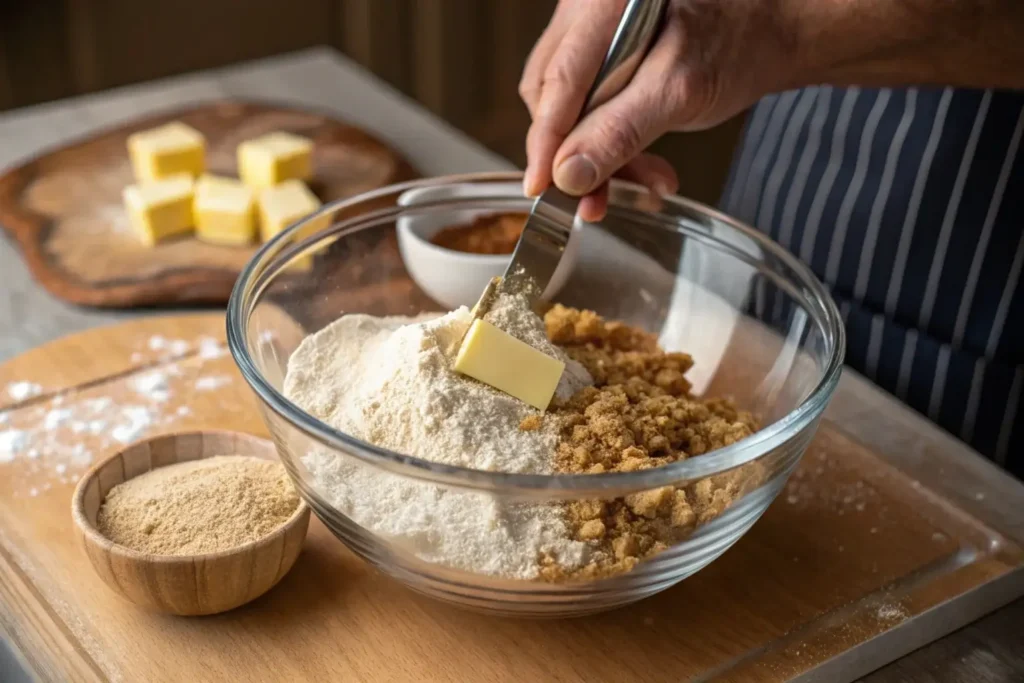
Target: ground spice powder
494	234
200	506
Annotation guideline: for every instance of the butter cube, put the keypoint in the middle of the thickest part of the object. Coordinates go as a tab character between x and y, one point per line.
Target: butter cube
285	204
497	358
165	151
274	158
160	209
225	211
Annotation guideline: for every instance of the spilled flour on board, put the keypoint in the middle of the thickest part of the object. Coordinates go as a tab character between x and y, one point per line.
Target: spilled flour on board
212	383
889	612
22	391
55	439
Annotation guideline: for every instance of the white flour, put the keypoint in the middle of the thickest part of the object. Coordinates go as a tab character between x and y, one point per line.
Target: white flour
211	383
56	417
11	442
135	420
152	385
210	348
388	381
175	347
20	391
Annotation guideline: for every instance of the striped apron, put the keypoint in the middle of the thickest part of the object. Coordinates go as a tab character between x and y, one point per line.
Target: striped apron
909	205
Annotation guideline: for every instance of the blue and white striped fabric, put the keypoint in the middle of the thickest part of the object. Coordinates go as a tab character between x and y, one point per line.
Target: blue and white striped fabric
909	205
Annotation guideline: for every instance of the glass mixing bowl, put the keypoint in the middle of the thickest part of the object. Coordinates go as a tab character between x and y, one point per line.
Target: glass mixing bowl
760	327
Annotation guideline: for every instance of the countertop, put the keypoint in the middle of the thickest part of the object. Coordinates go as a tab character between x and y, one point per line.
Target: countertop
990	650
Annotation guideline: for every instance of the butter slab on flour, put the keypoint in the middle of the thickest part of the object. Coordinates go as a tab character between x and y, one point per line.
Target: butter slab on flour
497	358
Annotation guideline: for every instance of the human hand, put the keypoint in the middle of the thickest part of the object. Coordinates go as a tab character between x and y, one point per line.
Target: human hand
712	60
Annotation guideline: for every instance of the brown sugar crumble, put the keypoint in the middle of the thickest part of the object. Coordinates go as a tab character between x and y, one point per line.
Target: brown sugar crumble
638	415
531	423
494	234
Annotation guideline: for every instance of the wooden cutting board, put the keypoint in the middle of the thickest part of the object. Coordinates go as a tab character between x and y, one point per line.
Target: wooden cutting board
64	207
855	562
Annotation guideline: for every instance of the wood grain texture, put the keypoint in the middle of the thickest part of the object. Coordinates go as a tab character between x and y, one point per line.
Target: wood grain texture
35	50
136	41
6	89
378	35
186	585
64	208
815	577
59	48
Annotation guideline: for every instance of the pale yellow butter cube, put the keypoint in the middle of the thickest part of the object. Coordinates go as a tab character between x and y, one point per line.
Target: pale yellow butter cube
210	181
497	358
160	209
287	203
282	205
274	158
166	151
225	211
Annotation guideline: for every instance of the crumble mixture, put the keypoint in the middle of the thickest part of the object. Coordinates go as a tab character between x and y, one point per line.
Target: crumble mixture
638	415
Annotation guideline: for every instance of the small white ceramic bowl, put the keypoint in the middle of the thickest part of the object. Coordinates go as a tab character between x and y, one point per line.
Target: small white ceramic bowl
457	278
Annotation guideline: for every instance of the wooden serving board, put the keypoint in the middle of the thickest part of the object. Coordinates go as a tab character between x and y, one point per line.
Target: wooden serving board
850	564
64	208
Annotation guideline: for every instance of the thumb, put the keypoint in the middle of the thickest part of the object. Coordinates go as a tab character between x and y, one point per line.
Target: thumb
610	137
619	130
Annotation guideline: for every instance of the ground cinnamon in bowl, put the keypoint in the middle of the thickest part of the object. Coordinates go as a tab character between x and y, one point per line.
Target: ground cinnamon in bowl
492	234
199	506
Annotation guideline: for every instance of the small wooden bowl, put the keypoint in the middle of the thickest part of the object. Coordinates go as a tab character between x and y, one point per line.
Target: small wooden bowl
185	584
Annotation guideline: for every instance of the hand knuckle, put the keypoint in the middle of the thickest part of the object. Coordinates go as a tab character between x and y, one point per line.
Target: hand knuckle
695	99
621	135
560	75
527	88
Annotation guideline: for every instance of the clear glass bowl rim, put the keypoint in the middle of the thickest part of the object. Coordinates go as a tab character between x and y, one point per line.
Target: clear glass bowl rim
243	301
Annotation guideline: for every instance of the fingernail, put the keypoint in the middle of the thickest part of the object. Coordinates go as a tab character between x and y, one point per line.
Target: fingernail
661	188
576	175
588	216
529	185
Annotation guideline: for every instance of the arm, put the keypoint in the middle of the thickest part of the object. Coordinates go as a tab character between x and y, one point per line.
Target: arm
715	58
966	43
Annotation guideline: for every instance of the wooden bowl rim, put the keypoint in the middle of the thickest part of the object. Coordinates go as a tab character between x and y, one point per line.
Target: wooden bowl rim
93	535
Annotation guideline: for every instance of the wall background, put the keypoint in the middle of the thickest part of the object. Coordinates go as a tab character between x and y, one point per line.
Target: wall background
459	58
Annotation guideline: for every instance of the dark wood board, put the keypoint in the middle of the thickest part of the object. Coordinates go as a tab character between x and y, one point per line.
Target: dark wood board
64	207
